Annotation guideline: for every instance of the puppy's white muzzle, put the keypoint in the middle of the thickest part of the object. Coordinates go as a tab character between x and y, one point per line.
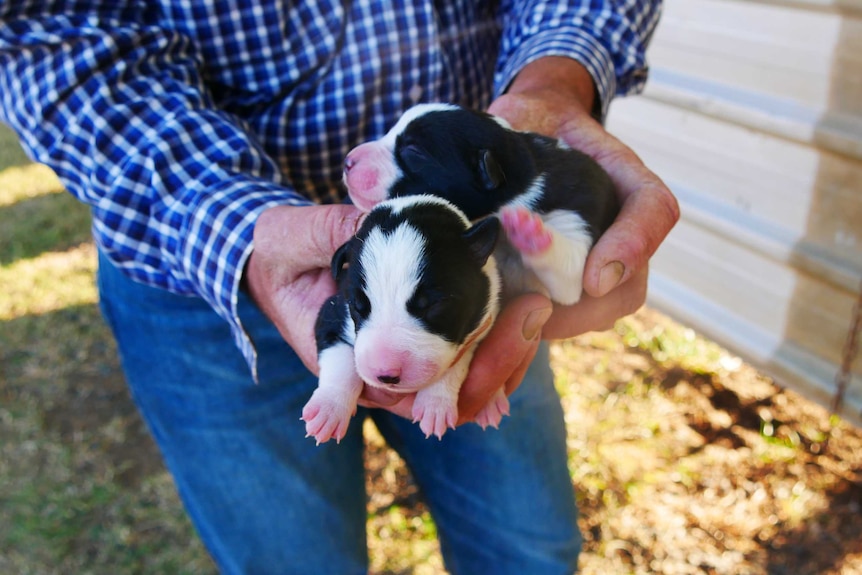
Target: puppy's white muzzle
401	359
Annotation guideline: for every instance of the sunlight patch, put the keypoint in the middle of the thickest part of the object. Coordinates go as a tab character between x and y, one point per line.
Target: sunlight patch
23	182
49	282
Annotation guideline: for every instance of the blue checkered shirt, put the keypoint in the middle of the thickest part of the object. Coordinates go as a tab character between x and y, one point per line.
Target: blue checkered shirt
179	121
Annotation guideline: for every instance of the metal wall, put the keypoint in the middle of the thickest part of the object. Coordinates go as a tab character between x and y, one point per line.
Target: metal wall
753	117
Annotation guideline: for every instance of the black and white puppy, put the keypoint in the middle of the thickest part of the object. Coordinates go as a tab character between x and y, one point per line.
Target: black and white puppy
554	202
418	289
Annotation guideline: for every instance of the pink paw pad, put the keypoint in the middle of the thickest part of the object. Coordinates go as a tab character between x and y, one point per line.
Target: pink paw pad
435	416
326	419
492	414
526	231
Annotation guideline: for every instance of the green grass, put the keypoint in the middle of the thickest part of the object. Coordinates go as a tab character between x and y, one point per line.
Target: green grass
78	490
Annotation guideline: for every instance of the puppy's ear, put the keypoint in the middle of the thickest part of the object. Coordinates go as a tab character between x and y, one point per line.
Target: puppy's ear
482	238
341	258
490	171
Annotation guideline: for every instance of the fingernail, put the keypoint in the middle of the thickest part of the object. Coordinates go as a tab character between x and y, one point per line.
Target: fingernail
534	322
610	276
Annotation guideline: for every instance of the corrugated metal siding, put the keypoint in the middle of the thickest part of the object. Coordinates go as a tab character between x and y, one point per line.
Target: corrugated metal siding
753	117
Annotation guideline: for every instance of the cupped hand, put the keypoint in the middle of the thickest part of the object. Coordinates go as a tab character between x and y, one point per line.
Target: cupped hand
288	272
553	97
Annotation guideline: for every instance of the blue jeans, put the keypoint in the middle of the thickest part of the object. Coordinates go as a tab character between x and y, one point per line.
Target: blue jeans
265	499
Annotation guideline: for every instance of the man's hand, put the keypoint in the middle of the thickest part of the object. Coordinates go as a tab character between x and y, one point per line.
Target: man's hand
288	273
554	96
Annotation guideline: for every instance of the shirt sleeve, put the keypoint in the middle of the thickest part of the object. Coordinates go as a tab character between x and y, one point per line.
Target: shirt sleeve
609	37
120	112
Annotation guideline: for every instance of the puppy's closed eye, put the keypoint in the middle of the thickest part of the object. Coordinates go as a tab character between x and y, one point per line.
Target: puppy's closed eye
433	309
413	156
360	305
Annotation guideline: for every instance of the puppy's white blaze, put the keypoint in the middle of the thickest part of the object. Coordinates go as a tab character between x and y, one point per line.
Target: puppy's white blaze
391	265
561	267
531	195
490	268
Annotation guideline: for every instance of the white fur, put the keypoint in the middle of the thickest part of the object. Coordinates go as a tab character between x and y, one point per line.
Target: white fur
327	414
531	195
410	115
502	122
397	205
391	267
561	267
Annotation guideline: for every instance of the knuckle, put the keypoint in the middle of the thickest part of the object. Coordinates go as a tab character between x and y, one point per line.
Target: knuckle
668	200
326	223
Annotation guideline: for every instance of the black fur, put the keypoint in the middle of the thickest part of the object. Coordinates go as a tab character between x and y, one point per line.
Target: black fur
471	160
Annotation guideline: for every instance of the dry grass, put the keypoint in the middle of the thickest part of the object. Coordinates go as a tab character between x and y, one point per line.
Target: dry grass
684	458
689	461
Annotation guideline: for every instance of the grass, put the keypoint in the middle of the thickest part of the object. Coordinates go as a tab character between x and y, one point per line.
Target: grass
684	458
71	497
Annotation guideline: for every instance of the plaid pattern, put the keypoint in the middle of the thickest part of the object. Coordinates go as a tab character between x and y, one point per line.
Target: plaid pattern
179	121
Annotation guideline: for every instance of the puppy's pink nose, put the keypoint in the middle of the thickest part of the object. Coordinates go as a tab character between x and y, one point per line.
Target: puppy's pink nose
390	378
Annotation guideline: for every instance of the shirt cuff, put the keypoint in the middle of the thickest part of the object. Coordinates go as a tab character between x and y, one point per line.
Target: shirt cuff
220	232
580	47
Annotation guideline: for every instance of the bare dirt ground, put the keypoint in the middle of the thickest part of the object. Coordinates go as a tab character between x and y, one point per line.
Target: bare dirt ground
685	460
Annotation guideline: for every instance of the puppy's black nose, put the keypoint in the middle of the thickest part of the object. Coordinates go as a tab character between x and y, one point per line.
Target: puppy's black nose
389	379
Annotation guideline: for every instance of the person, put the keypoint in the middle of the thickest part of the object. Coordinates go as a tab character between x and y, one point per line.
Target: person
207	137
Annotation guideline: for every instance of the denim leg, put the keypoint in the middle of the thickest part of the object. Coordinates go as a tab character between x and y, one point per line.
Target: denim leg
502	499
263	497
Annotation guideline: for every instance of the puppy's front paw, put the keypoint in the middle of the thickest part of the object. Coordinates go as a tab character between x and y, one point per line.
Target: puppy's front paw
435	413
526	231
493	412
327	415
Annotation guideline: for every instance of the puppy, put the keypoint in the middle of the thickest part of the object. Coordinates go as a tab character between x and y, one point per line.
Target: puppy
417	290
554	202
